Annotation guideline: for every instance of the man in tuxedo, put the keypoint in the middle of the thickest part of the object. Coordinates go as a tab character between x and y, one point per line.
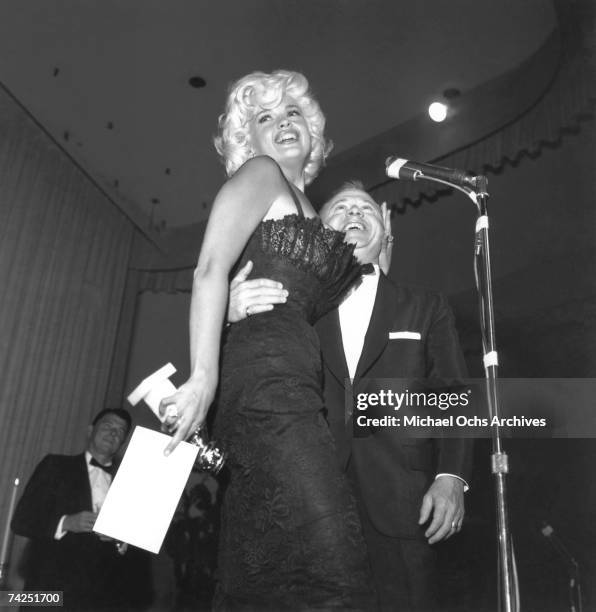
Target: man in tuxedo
410	490
57	512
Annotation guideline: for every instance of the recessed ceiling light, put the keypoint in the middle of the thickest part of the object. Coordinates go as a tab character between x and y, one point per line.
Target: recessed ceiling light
197	82
437	111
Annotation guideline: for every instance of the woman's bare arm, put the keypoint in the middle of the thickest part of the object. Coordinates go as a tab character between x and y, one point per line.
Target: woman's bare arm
238	208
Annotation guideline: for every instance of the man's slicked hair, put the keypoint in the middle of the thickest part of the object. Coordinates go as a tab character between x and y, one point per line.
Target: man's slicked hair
120	412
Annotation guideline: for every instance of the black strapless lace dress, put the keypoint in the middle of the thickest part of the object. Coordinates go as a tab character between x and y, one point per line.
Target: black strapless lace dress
291	536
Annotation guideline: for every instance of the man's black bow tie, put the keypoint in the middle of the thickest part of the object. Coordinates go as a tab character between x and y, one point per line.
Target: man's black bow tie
110	469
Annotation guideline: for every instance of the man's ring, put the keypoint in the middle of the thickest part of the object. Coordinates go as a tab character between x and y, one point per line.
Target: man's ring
247	312
389	238
452	524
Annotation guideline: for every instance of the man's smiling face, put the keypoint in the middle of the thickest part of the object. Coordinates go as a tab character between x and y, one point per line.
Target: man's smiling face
354	212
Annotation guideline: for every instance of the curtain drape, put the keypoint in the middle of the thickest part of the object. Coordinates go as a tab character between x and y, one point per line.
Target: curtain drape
64	252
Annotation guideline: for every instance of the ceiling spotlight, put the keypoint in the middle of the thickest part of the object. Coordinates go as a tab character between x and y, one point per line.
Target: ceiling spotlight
197	82
437	111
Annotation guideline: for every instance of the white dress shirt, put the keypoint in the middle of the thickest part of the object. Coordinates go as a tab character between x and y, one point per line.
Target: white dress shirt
354	317
100	482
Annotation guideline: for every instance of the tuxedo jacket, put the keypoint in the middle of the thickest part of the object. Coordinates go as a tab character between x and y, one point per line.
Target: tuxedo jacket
393	471
90	572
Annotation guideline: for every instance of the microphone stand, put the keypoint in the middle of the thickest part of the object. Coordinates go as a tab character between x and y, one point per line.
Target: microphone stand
508	588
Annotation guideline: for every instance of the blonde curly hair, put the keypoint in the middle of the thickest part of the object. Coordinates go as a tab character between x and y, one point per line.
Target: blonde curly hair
251	93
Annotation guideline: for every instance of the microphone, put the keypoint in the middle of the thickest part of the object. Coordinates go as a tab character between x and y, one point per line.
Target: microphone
399	168
549	533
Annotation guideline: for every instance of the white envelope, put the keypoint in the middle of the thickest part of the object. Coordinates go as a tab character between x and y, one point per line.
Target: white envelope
142	499
404	335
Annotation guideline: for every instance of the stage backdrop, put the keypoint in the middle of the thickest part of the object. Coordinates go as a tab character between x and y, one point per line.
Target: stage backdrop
64	251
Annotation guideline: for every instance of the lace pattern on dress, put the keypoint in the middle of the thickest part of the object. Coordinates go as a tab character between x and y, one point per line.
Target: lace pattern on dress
309	245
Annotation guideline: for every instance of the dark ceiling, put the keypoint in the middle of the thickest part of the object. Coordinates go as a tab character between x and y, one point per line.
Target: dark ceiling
109	80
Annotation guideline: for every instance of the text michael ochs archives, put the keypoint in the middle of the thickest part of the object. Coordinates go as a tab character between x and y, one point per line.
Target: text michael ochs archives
377	410
453	408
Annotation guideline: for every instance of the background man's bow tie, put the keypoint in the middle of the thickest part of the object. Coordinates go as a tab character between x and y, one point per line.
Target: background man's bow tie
110	469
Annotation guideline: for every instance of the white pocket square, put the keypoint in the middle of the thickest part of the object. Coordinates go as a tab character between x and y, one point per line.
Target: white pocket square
404	335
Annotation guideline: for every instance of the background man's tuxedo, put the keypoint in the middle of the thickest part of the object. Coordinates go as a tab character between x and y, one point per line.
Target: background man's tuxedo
90	572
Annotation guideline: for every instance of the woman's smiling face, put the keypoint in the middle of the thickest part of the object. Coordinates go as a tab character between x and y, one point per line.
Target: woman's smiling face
281	132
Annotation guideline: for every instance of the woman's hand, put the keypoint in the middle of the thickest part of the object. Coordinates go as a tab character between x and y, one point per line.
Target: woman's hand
186	410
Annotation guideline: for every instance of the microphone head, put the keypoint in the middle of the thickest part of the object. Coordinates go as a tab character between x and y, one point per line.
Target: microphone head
547	530
394	167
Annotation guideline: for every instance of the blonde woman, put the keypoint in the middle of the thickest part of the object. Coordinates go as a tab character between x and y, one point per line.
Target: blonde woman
290	537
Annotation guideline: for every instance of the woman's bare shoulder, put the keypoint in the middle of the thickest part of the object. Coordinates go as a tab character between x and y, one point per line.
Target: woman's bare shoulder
261	165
